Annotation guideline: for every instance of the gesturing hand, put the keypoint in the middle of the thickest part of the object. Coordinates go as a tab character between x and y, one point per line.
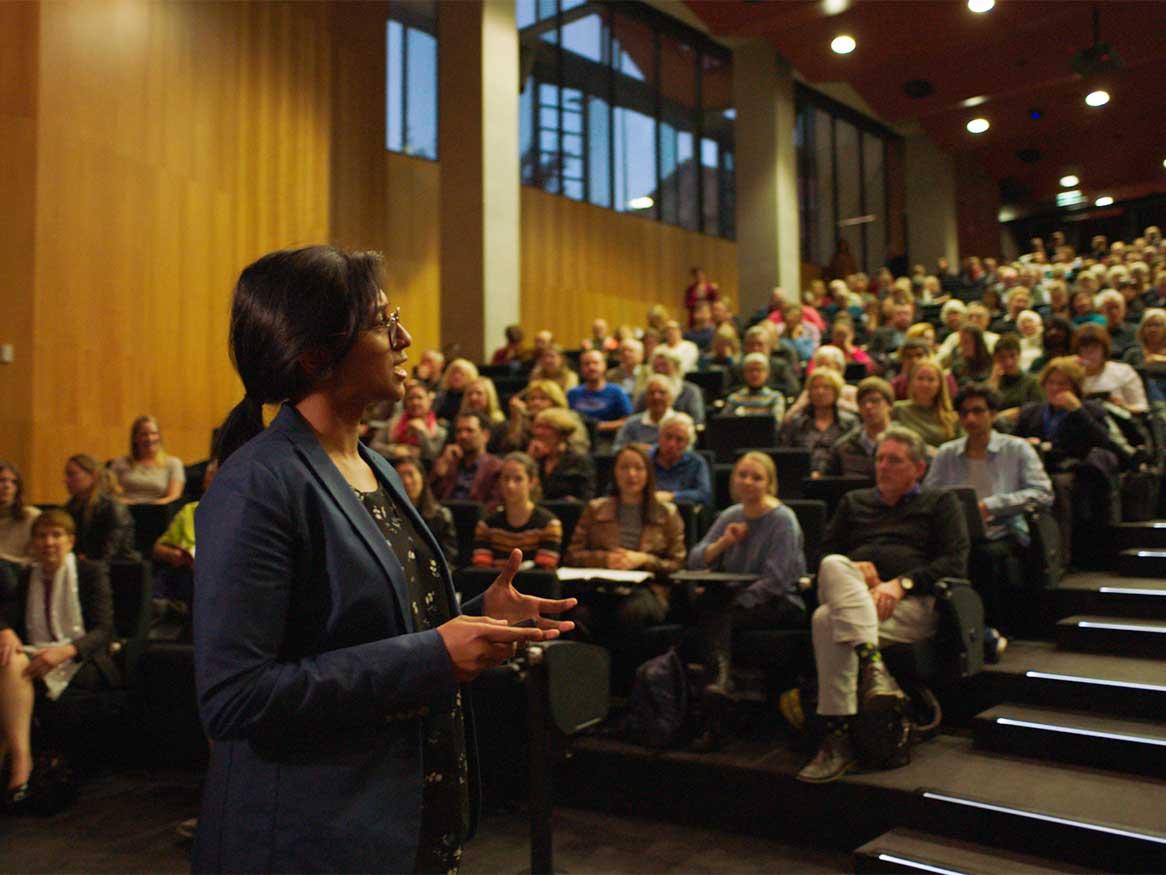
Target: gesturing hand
734	533
475	644
504	602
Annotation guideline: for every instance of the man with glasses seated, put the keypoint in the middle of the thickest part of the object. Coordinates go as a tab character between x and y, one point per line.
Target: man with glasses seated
885	549
1008	478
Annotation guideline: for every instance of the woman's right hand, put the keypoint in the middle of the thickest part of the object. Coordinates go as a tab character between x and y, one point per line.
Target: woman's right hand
734	534
9	644
517	408
475	644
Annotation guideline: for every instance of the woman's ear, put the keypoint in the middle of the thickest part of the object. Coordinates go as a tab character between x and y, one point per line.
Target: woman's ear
314	363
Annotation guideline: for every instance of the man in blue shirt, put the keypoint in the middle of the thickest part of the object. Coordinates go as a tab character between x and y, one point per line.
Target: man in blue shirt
598	399
681	475
1008	478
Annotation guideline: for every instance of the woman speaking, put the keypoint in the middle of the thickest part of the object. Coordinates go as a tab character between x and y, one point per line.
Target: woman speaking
329	647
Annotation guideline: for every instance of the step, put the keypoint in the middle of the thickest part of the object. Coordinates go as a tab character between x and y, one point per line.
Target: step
1108	593
1142	562
1039	673
1091	739
908	850
1098	633
1130	536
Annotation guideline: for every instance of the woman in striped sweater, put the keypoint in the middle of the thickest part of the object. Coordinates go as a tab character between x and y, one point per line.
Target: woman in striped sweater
518	523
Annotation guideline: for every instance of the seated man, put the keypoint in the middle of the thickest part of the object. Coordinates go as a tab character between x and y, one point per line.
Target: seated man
598	399
884	549
681	475
1016	387
464	470
1008	477
853	453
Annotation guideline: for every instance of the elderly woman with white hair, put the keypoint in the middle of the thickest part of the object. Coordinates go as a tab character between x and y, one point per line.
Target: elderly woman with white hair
686	396
951	317
1030	328
828	357
756	397
1111	304
1148	355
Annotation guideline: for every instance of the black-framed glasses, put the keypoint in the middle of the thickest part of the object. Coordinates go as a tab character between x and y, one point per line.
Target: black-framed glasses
390	325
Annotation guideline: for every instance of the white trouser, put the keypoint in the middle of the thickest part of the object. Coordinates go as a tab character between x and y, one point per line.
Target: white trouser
846	618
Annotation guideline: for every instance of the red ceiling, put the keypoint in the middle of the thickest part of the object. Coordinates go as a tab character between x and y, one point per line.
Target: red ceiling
1017	57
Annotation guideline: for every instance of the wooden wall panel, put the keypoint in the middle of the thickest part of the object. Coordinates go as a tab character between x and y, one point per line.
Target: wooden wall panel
581	261
176	143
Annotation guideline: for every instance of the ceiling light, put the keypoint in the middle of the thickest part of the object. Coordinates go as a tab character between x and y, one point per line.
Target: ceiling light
641	203
843	44
1069	181
1097	98
1103	201
981	6
978	125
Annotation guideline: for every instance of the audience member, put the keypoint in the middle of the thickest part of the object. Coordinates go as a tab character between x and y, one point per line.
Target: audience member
644	427
551	365
600	338
519	523
148	475
464	470
700	290
1014	386
971	362
454	382
414	430
430	369
562	472
701	328
722	315
685	351
887	340
927	410
16	517
951	317
1031	328
439	519
627	374
1055	342
1115	382
725	351
1149	354
821	424
681	474
828	357
885	549
842	337
852	455
756	535
804	335
512	351
173	552
913	351
1081	307
782	375
756	397
598	399
104	527
1112	306
538	396
686	397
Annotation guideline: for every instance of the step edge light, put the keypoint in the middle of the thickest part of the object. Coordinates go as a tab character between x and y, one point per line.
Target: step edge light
916	864
1130	590
1121	627
1073	730
1103	682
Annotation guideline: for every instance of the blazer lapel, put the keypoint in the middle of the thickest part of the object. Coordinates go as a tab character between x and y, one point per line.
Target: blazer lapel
306	444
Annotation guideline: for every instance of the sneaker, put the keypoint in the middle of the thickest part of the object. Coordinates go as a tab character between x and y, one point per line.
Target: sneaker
834	759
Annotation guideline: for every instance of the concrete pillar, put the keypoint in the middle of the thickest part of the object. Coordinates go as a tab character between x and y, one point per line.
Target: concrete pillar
768	250
478	118
932	229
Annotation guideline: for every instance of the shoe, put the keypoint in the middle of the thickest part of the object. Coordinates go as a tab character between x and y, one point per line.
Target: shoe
18	800
834	759
877	688
790	705
720	684
185	830
994	645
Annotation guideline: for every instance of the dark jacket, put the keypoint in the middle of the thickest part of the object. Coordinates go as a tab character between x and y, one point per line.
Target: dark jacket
310	674
484	487
799	431
573	477
848	457
106	532
1081	431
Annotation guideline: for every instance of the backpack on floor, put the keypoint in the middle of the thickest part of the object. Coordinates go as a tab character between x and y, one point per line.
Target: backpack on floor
659	709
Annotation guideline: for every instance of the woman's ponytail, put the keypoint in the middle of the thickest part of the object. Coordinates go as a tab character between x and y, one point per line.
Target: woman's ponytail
243	422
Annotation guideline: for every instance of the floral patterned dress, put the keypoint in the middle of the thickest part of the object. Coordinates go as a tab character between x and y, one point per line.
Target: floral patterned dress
445	799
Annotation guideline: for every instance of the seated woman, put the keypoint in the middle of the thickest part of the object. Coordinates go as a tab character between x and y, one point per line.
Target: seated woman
725	351
804	336
16	518
1083	310
414	430
519	523
842	337
457	377
1031	329
828	357
757	535
173	552
686	397
927	410
562	472
148	475
821	424
105	529
1149	352
971	362
644	427
631	529
756	397
54	633
1055	341
1115	382
538	396
481	396
438	518
551	365
913	350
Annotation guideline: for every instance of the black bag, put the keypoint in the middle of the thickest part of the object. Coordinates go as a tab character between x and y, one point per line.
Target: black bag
882	739
658	711
1139	495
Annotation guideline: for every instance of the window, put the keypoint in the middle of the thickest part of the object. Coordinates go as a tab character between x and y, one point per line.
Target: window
842	182
612	112
411	86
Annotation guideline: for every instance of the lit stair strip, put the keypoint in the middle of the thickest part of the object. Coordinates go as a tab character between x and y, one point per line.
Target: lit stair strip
1126	590
1047	818
1101	682
1151	554
915	864
1121	627
1072	730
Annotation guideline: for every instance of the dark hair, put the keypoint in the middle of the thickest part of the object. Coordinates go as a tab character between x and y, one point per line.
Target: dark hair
483	419
427	505
514	333
978	390
981	358
915	343
876	386
648	500
17	512
1057	323
294	301
1007	343
1091	332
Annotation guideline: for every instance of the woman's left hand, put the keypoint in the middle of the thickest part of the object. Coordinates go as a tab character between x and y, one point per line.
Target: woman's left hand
48	659
503	602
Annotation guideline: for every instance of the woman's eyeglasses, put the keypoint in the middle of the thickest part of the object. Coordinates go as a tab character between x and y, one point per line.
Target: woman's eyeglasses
391	326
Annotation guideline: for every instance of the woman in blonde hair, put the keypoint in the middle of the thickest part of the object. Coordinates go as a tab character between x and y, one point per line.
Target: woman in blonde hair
538	396
481	397
148	475
105	529
457	377
562	472
822	423
757	535
551	365
927	410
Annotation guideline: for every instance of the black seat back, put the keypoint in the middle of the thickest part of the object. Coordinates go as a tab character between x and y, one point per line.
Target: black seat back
855	372
131	587
465	519
711	383
831	489
604	466
150	522
811	515
725	435
471	582
568	513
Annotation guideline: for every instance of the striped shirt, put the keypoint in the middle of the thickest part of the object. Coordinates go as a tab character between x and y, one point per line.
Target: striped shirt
540	539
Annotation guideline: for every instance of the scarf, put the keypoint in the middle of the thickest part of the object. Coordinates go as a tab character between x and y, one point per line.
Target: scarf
53	617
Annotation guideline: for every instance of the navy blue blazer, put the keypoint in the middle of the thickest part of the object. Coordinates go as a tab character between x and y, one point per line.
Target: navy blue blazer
308	667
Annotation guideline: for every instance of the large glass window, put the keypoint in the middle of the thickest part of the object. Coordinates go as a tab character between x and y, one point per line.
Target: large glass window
842	182
613	112
411	80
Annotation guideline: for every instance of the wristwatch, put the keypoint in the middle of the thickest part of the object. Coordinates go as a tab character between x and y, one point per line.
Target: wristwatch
907	584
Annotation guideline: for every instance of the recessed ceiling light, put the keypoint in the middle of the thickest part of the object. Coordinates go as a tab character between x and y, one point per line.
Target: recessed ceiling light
1097	98
981	6
1103	201
978	125
641	203
1069	181
843	44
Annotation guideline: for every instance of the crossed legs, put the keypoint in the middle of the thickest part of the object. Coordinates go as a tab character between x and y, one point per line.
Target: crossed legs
16	701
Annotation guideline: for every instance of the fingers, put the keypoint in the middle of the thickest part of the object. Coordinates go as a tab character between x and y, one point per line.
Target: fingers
560	625
514	634
553	606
